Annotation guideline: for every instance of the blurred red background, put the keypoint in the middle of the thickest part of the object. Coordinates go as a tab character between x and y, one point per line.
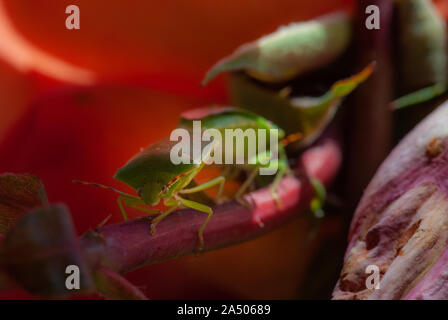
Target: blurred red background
76	104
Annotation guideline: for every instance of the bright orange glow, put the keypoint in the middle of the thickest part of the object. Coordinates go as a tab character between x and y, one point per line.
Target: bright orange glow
15	49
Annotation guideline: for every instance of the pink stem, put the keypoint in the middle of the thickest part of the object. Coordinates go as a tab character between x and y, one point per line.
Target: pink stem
126	246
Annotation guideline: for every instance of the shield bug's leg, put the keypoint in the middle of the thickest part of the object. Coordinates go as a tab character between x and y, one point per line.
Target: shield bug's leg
316	207
136	203
132	202
319	198
243	188
203	208
147	210
226	171
217	181
230	172
280	174
120	201
156	220
128	201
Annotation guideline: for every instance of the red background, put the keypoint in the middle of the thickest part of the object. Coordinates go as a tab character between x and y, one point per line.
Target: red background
144	60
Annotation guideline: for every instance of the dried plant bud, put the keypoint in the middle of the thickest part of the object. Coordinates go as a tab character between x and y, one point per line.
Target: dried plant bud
291	50
401	223
435	148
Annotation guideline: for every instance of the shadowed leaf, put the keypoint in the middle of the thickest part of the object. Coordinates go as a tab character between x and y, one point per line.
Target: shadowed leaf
307	115
423	50
18	194
290	51
38	249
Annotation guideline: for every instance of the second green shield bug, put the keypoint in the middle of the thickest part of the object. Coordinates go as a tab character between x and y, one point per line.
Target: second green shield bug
224	119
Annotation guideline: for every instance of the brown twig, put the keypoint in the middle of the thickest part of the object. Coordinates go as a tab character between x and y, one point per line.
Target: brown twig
370	121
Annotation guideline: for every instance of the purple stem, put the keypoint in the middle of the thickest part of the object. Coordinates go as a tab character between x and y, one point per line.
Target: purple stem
127	246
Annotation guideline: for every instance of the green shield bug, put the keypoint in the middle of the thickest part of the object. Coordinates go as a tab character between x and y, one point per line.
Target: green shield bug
224	119
155	178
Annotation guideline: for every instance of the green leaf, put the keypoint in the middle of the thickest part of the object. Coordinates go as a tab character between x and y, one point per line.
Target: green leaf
422	51
419	96
18	194
307	115
291	50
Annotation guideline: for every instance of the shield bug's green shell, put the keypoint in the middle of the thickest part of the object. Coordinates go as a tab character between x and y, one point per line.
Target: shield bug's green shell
225	118
222	118
151	169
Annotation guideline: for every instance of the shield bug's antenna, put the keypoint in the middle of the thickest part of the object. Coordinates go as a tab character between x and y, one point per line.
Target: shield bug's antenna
102	186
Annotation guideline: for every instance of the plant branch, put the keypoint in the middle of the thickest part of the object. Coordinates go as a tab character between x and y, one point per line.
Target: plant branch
127	246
